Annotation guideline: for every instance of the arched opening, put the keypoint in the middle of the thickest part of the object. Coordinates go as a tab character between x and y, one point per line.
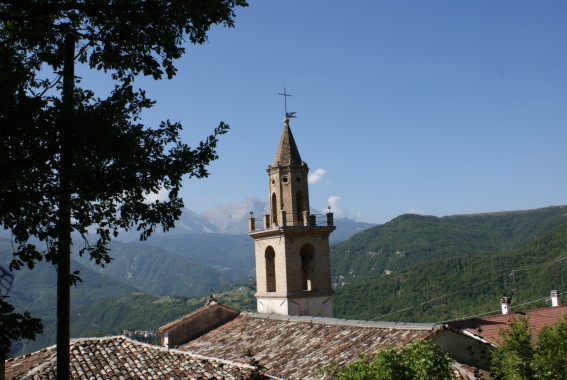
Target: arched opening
307	253
274	210
270	256
300	204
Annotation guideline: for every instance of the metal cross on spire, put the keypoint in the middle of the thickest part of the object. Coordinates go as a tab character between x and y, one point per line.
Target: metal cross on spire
285	95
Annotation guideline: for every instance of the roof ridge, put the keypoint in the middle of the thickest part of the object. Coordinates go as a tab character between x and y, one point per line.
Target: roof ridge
195	312
514	313
348	322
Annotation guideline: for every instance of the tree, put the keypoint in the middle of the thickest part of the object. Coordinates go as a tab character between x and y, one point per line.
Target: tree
525	355
550	359
14	326
70	161
420	360
512	359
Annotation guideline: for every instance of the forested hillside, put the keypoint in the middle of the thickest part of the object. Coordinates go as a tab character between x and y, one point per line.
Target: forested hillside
454	287
410	239
387	272
154	270
35	291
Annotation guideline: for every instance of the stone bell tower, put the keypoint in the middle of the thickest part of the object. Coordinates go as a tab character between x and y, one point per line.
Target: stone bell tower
292	247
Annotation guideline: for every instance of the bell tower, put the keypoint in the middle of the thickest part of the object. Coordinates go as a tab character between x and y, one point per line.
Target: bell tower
292	247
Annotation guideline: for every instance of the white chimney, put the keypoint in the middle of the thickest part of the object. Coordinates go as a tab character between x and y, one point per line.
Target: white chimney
555	301
505	301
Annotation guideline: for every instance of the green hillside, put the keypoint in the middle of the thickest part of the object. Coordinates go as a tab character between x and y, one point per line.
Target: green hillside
410	239
153	270
139	311
35	291
460	286
232	255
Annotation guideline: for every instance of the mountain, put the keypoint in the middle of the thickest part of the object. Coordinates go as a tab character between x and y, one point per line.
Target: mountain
233	218
154	270
445	288
35	291
189	223
411	239
231	255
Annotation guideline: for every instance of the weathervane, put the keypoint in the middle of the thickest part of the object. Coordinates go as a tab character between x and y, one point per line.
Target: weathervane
288	115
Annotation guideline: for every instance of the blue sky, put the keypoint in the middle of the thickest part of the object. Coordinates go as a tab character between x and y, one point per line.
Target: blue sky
425	106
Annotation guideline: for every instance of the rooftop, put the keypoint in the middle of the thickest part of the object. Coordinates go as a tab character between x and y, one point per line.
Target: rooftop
295	347
119	357
487	328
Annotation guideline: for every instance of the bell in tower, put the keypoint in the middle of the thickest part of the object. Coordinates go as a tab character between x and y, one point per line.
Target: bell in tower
291	248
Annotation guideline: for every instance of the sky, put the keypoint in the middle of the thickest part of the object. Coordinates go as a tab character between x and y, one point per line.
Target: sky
403	106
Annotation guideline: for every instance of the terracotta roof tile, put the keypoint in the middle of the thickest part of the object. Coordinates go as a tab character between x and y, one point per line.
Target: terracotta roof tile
123	358
488	328
295	347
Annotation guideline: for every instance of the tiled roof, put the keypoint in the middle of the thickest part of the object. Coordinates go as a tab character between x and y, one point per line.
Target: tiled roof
488	328
123	358
295	347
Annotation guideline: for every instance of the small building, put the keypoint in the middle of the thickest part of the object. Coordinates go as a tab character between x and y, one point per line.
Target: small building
472	340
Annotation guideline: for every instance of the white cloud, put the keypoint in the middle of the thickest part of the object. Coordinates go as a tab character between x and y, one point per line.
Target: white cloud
415	211
336	208
316	176
162	195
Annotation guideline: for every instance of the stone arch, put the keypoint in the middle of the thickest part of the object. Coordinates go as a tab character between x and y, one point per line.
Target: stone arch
274	208
307	253
270	258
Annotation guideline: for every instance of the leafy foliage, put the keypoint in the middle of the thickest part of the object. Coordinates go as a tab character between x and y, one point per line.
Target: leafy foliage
70	160
420	360
16	326
513	358
522	355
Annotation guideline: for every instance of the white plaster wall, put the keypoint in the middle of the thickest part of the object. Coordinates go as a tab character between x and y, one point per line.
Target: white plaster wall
313	306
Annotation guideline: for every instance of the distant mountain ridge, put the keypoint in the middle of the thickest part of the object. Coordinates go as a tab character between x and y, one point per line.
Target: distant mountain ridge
232	219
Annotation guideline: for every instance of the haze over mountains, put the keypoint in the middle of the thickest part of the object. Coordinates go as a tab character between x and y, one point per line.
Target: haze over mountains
232	219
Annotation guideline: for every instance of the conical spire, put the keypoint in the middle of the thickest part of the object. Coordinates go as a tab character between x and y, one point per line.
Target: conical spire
287	153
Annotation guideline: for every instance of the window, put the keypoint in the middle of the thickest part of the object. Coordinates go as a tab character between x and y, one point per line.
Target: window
307	253
270	256
274	210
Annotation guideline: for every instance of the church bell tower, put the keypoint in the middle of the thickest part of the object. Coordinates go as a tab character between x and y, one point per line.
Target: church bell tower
292	247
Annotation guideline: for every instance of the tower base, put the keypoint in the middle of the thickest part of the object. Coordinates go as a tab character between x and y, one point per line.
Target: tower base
318	306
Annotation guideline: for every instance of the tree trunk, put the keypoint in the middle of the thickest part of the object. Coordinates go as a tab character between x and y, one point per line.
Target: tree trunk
64	238
2	364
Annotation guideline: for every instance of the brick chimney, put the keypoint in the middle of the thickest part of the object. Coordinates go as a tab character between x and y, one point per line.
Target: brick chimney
505	302
555	301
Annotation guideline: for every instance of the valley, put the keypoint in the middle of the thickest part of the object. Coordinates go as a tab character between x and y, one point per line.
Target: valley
413	268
